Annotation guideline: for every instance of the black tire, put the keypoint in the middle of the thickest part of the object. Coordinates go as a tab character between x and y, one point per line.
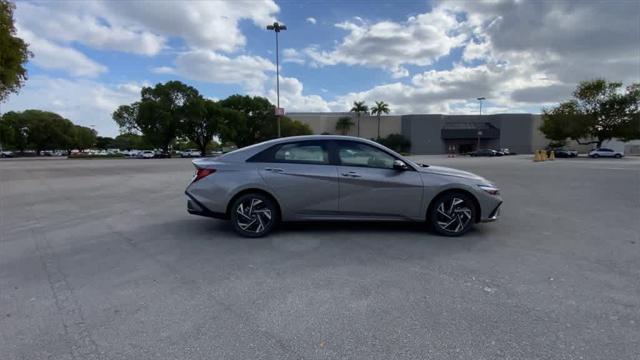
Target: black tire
455	208
595	156
617	156
253	215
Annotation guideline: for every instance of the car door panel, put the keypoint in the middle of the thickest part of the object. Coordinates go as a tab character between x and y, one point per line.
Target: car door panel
377	192
380	192
302	189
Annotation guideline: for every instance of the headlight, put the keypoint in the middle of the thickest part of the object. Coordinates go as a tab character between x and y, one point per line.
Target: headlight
490	189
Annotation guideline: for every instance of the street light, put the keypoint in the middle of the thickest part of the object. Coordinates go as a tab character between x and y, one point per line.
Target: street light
276	27
480	99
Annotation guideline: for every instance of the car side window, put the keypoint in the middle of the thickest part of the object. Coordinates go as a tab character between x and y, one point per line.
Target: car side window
302	152
358	154
312	153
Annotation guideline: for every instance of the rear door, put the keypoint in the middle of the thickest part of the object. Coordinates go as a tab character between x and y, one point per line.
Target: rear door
300	174
371	187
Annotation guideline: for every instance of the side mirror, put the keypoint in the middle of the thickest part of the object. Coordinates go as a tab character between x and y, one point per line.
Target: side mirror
400	165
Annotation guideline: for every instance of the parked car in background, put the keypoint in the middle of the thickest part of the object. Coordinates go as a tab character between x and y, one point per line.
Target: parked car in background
189	153
505	151
329	177
131	153
6	154
486	152
565	153
146	154
604	152
162	155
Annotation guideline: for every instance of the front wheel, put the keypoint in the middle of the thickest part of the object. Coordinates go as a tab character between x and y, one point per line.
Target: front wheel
452	214
618	156
253	215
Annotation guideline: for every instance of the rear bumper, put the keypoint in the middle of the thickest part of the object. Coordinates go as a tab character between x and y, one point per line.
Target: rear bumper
195	207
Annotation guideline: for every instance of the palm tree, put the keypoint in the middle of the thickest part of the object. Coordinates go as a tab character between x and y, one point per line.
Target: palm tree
344	124
380	108
359	107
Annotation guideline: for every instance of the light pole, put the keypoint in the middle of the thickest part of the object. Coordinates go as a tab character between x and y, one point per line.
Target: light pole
276	27
480	99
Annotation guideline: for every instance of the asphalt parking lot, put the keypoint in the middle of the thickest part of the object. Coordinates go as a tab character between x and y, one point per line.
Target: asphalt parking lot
100	260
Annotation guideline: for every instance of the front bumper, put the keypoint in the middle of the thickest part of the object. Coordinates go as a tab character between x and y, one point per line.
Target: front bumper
494	215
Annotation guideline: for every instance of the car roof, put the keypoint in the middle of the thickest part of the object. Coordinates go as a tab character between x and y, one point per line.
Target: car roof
246	152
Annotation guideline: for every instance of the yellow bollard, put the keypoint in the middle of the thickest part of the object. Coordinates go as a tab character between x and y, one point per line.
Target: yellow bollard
540	155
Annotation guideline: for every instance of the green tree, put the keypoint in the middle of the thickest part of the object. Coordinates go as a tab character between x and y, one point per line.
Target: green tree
203	119
105	142
290	127
16	131
259	122
14	53
83	137
396	142
130	141
599	111
7	134
38	130
380	108
344	124
359	107
158	114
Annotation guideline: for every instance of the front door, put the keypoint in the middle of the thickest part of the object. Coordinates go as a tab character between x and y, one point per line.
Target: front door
371	187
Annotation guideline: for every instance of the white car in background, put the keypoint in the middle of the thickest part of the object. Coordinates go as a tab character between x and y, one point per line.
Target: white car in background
131	153
189	153
604	152
147	154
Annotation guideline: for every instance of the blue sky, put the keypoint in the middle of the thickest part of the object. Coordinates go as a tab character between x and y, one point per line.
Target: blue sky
418	56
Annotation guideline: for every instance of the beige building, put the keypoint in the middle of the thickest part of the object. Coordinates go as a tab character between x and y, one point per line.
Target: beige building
326	123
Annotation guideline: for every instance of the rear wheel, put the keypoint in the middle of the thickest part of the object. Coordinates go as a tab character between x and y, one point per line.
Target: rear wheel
618	156
253	215
595	156
452	214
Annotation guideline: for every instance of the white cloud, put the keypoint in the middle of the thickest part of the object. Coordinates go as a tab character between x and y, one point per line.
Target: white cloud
212	25
293	56
420	40
144	27
531	54
85	102
293	99
565	41
312	20
49	55
80	24
451	91
208	66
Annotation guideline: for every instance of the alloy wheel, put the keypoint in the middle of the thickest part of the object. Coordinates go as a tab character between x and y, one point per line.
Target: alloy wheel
254	216
453	215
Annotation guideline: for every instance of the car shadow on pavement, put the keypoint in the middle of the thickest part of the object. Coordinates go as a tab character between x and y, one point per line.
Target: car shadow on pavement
394	231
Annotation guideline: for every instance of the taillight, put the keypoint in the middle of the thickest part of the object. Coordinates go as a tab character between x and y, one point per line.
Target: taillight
201	173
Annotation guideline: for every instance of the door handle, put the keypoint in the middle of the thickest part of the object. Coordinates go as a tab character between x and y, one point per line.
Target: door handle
352	174
276	170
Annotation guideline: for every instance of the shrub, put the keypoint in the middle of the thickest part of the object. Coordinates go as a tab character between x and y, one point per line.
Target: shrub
396	142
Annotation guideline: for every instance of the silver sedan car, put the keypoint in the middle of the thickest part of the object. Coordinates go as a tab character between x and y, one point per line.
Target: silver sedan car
325	177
